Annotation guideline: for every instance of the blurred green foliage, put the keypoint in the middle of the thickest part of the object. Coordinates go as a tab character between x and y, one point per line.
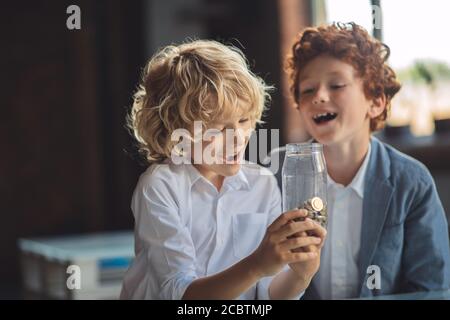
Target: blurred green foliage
427	72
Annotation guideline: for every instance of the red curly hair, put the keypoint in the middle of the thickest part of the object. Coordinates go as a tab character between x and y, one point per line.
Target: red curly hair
351	43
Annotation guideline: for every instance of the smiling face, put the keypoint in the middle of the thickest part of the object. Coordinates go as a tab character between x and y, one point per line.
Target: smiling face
333	104
223	145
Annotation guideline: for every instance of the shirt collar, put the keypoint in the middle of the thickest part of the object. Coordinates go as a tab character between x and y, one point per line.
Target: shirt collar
238	181
193	174
357	183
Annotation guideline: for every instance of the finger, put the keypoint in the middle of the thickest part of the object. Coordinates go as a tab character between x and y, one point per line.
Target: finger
317	231
302	256
284	218
301	249
299	234
292	228
312	248
299	242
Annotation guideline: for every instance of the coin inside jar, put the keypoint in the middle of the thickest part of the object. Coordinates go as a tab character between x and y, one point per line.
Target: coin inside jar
316	203
316	209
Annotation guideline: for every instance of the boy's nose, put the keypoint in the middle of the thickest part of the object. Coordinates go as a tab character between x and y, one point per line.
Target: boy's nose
239	137
319	100
321	96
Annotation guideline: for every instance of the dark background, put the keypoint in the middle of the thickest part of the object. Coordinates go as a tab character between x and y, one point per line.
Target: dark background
67	162
68	165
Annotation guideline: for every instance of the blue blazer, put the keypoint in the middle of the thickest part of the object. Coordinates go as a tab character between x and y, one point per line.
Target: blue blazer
404	227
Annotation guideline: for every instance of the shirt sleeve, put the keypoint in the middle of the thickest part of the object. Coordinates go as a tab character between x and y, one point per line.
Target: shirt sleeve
167	242
262	287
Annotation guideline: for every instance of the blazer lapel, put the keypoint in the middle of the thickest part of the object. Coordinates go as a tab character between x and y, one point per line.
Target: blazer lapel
377	196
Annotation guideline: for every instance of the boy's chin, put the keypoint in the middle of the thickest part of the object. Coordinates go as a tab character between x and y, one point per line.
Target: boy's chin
326	139
230	169
320	139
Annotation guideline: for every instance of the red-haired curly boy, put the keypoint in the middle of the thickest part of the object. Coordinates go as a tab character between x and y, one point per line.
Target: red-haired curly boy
387	230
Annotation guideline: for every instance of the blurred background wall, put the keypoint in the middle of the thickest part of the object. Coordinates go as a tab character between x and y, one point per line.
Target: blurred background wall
67	163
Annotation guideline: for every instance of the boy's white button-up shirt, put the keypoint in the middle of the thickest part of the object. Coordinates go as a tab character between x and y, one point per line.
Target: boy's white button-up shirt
185	229
338	275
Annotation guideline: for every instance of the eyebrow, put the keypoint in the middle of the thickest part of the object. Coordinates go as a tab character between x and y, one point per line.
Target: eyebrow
227	122
332	73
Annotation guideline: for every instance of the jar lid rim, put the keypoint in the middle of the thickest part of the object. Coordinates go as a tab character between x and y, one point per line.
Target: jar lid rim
304	146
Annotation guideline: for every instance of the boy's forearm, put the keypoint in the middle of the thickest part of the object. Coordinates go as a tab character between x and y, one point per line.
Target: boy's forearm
228	284
287	285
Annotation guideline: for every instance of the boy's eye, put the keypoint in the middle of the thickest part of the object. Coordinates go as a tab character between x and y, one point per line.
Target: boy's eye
337	86
307	91
218	128
243	120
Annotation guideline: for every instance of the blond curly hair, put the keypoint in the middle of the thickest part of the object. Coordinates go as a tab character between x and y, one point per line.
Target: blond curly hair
200	80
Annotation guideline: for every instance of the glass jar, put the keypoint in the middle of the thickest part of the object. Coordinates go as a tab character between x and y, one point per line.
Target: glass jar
304	177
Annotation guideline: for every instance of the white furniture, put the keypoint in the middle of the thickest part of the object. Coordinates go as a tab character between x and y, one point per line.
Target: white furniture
100	260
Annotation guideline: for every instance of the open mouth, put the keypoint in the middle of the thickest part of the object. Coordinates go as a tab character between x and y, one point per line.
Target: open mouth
233	158
324	117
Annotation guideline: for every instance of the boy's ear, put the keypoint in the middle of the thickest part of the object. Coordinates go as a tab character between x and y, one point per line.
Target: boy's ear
377	107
